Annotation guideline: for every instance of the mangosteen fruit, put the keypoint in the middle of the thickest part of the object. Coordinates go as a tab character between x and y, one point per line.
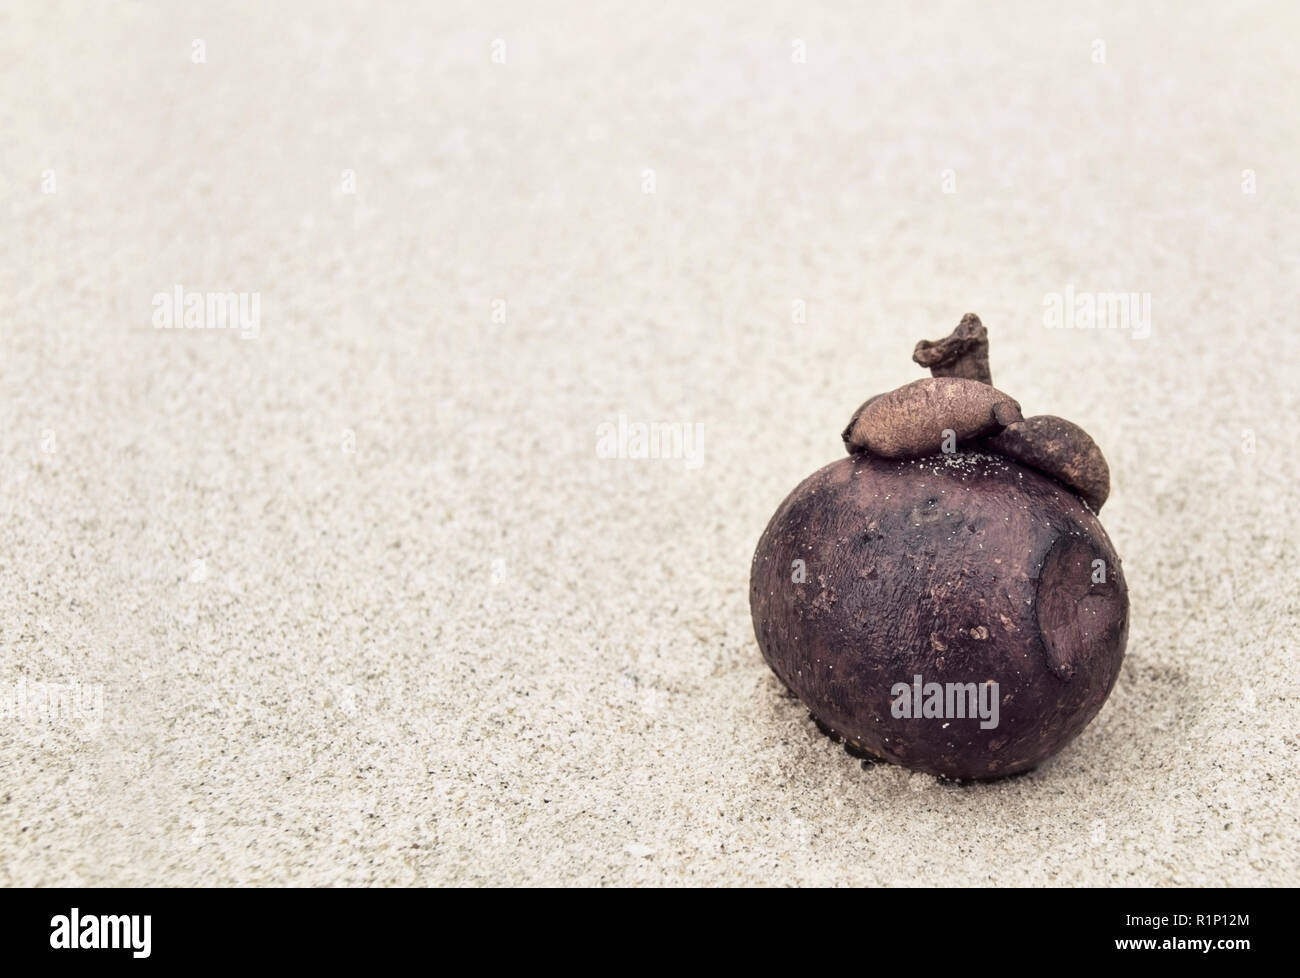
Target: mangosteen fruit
945	598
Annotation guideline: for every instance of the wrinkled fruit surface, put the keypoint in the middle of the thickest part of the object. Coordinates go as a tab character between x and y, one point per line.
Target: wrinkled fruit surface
963	568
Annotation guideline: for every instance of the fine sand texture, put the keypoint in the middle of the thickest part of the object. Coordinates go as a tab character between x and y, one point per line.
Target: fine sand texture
371	588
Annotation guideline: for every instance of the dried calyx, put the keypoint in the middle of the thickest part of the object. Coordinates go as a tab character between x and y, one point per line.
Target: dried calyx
1061	449
911	422
959	404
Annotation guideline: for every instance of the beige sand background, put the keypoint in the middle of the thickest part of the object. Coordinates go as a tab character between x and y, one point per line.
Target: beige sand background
363	602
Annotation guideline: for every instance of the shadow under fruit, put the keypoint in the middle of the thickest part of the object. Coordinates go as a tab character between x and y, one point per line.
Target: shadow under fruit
957	547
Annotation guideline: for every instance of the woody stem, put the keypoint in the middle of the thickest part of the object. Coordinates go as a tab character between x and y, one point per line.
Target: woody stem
963	353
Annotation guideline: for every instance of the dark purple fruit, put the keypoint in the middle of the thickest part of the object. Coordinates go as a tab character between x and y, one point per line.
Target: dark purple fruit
982	584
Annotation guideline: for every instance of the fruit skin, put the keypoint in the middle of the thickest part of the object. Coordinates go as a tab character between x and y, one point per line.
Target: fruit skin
958	568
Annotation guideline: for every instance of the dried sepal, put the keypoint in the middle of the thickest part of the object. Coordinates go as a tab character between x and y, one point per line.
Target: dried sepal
1060	449
916	419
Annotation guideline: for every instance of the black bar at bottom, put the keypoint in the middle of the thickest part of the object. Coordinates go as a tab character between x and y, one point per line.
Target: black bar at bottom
134	929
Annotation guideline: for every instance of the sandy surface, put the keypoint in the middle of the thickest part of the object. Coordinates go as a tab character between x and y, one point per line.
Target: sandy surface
362	600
